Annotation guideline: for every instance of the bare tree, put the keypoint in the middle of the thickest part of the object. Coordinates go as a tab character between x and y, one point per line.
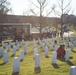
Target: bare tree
4	8
41	8
62	7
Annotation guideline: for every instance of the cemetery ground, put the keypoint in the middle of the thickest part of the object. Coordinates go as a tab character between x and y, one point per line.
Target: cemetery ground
27	65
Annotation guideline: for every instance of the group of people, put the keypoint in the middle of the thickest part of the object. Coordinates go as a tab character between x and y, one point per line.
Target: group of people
50	34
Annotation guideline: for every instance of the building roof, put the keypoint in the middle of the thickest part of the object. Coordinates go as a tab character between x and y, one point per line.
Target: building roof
14	24
34	20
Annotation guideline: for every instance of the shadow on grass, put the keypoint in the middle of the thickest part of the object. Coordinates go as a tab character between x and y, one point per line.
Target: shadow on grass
12	55
55	66
61	59
70	63
74	51
25	53
46	56
21	60
17	73
2	64
0	57
37	70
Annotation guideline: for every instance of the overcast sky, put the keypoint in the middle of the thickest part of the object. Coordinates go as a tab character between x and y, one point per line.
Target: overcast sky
21	6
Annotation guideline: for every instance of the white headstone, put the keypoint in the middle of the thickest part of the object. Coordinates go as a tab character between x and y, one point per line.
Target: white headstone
5	46
25	48
16	42
10	42
72	47
35	51
34	45
69	44
22	41
46	43
1	52
21	54
41	44
34	40
18	46
16	65
43	48
5	57
54	57
9	47
67	39
73	70
14	50
3	43
27	43
67	55
51	46
64	43
46	51
56	47
13	43
74	42
58	42
39	40
37	61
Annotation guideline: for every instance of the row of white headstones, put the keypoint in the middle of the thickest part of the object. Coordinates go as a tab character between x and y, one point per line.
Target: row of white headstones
37	58
15	46
16	61
54	53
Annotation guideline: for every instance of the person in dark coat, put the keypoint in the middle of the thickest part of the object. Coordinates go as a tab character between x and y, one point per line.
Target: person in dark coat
61	51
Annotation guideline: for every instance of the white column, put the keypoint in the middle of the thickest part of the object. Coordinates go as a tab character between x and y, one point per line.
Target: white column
67	55
46	51
37	61
16	65
54	57
73	70
5	57
21	55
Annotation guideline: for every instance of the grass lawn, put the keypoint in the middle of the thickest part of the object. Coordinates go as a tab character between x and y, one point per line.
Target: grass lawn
27	65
